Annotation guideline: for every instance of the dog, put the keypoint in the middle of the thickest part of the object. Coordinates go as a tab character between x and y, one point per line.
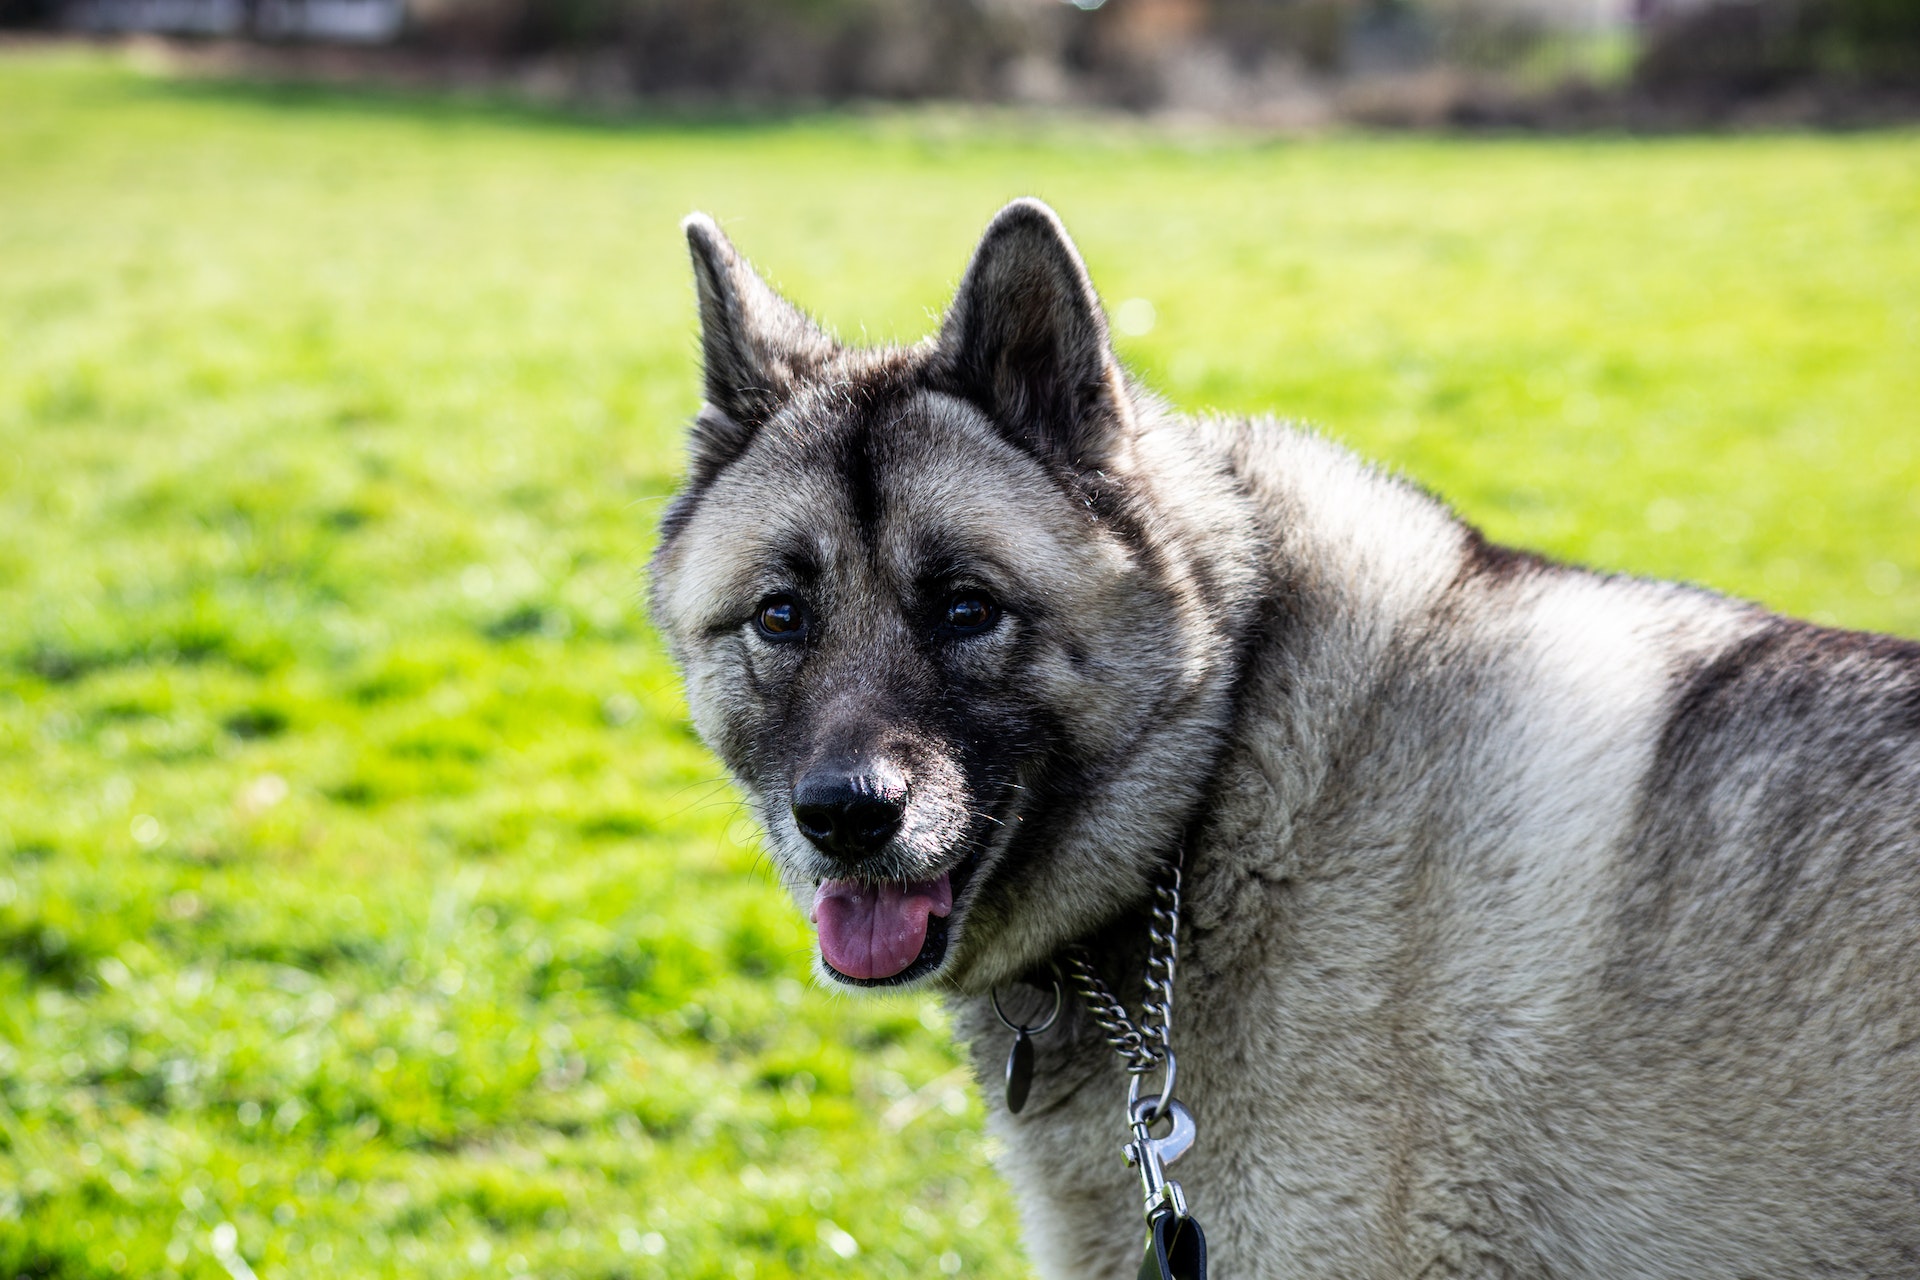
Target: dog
1537	922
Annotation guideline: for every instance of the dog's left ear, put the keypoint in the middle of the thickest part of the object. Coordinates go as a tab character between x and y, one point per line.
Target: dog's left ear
1027	342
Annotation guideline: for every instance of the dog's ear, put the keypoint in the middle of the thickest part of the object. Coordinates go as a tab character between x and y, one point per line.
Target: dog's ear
1026	340
756	345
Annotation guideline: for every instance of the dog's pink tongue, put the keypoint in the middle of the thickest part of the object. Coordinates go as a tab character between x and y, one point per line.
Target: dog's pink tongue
876	930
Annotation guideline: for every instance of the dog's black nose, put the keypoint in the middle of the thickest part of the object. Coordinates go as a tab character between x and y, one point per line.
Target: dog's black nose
850	813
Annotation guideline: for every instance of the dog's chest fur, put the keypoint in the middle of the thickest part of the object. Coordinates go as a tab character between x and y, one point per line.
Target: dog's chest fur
1462	991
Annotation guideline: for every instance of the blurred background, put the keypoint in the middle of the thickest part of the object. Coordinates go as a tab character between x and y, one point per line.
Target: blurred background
1290	63
367	907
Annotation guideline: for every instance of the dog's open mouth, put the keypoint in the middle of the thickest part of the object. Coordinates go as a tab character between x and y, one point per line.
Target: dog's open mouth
889	932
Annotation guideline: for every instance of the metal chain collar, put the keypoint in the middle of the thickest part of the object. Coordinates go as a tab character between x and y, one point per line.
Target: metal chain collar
1176	1246
1143	1046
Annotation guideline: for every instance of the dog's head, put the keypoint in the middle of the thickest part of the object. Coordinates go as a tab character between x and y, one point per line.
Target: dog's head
939	615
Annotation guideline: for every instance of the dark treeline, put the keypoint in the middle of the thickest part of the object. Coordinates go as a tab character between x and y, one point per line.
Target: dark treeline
1211	55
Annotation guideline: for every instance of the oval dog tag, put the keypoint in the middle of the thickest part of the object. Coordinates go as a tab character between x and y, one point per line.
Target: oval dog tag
1176	1250
1019	1071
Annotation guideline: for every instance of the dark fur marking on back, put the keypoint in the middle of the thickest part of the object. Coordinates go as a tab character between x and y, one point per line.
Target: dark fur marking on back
1759	740
1497	564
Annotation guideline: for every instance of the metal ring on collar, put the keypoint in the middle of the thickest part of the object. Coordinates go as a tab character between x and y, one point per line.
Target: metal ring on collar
993	994
1161	1097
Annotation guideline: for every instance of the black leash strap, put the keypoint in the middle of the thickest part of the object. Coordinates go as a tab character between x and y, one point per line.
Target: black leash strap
1176	1250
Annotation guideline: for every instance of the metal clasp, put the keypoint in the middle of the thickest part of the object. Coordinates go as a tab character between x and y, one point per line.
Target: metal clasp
1152	1155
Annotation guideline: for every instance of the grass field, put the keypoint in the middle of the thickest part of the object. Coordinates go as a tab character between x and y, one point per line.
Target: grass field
366	908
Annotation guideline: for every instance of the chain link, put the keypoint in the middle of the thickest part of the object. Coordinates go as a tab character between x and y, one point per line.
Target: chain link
1143	1046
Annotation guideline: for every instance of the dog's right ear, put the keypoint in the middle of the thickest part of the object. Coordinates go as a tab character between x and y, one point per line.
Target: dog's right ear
756	345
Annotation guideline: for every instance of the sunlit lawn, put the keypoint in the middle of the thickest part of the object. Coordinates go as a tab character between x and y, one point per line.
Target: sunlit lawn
366	907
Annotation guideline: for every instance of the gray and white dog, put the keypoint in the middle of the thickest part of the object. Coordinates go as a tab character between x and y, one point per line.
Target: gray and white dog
1538	922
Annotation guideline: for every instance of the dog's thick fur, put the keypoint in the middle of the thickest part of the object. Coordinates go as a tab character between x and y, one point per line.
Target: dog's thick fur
1539	922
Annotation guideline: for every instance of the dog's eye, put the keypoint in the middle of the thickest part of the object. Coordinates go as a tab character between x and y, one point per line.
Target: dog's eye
781	618
971	612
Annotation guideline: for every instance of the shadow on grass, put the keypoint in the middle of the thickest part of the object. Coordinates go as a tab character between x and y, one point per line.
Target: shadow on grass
429	92
426	94
462	106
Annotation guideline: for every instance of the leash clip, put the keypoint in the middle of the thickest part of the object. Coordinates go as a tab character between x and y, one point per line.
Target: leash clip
1152	1155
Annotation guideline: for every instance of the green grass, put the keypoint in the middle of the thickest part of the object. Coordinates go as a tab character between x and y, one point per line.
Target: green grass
366	907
